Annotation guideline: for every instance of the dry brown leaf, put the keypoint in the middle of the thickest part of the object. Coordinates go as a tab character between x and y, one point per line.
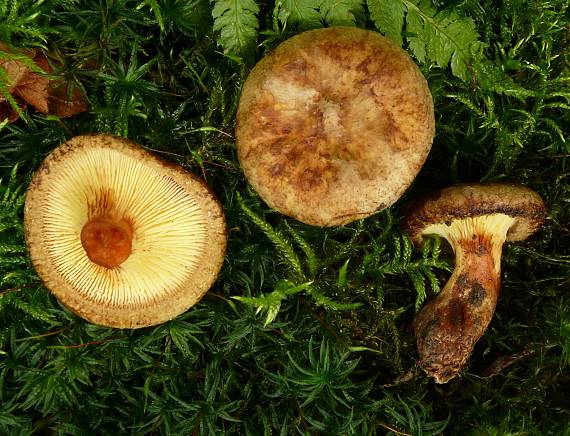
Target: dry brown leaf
33	89
8	112
45	95
59	103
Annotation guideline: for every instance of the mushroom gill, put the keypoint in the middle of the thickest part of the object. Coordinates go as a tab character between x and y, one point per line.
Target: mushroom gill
114	231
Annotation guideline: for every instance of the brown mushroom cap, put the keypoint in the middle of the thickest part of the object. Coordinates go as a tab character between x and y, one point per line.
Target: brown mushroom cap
333	125
471	200
120	237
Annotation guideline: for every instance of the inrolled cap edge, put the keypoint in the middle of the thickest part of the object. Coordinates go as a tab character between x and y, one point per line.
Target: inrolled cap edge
477	199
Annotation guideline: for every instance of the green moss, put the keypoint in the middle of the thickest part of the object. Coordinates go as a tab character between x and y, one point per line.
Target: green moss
337	354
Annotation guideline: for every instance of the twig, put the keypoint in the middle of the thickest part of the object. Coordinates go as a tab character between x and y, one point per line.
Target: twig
554	156
503	362
410	375
213	294
79	345
19	288
55	332
226	167
298	406
387	427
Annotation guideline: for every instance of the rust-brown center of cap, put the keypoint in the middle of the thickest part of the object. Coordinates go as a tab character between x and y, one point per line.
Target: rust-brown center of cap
107	242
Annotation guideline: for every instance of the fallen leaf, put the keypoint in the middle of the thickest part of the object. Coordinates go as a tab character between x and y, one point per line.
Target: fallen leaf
59	104
33	89
48	95
7	111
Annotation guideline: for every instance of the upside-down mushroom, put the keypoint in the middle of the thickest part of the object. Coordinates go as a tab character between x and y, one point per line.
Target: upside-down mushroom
120	237
476	219
333	125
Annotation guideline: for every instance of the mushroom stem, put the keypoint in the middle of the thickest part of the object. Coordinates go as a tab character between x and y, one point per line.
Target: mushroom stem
448	327
107	241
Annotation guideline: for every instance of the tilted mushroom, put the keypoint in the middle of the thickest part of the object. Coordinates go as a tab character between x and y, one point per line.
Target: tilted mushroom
333	125
476	219
120	237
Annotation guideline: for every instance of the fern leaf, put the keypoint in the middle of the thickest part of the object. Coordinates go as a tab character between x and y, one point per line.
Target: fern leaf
447	37
419	286
311	259
237	23
433	281
491	77
555	128
342	275
406	249
303	13
271	303
322	300
442	37
341	12
283	246
416	38
35	312
388	16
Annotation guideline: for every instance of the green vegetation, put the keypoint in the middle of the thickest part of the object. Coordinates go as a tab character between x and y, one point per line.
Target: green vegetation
307	331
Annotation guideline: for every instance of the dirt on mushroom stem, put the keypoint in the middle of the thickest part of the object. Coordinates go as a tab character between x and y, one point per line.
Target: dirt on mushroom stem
449	326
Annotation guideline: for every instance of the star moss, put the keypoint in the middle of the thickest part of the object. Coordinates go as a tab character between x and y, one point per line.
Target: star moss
320	340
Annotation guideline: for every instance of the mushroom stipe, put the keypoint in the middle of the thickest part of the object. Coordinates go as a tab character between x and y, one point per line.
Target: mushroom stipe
476	219
120	237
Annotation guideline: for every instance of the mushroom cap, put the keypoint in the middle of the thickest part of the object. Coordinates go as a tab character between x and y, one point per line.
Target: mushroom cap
472	200
177	227
333	125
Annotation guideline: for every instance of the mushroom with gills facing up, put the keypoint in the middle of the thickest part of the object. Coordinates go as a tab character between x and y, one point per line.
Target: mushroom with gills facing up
476	219
120	237
333	125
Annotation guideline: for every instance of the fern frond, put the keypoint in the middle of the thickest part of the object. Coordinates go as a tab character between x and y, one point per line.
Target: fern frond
237	23
341	12
16	273
388	16
284	248
21	23
342	279
271	303
286	251
326	302
442	37
311	259
31	310
401	262
303	13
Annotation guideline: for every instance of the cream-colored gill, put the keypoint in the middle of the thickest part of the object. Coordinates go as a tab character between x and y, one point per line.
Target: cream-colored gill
494	227
169	229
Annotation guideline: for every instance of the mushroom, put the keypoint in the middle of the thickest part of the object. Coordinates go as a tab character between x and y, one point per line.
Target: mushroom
333	125
476	219
120	237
